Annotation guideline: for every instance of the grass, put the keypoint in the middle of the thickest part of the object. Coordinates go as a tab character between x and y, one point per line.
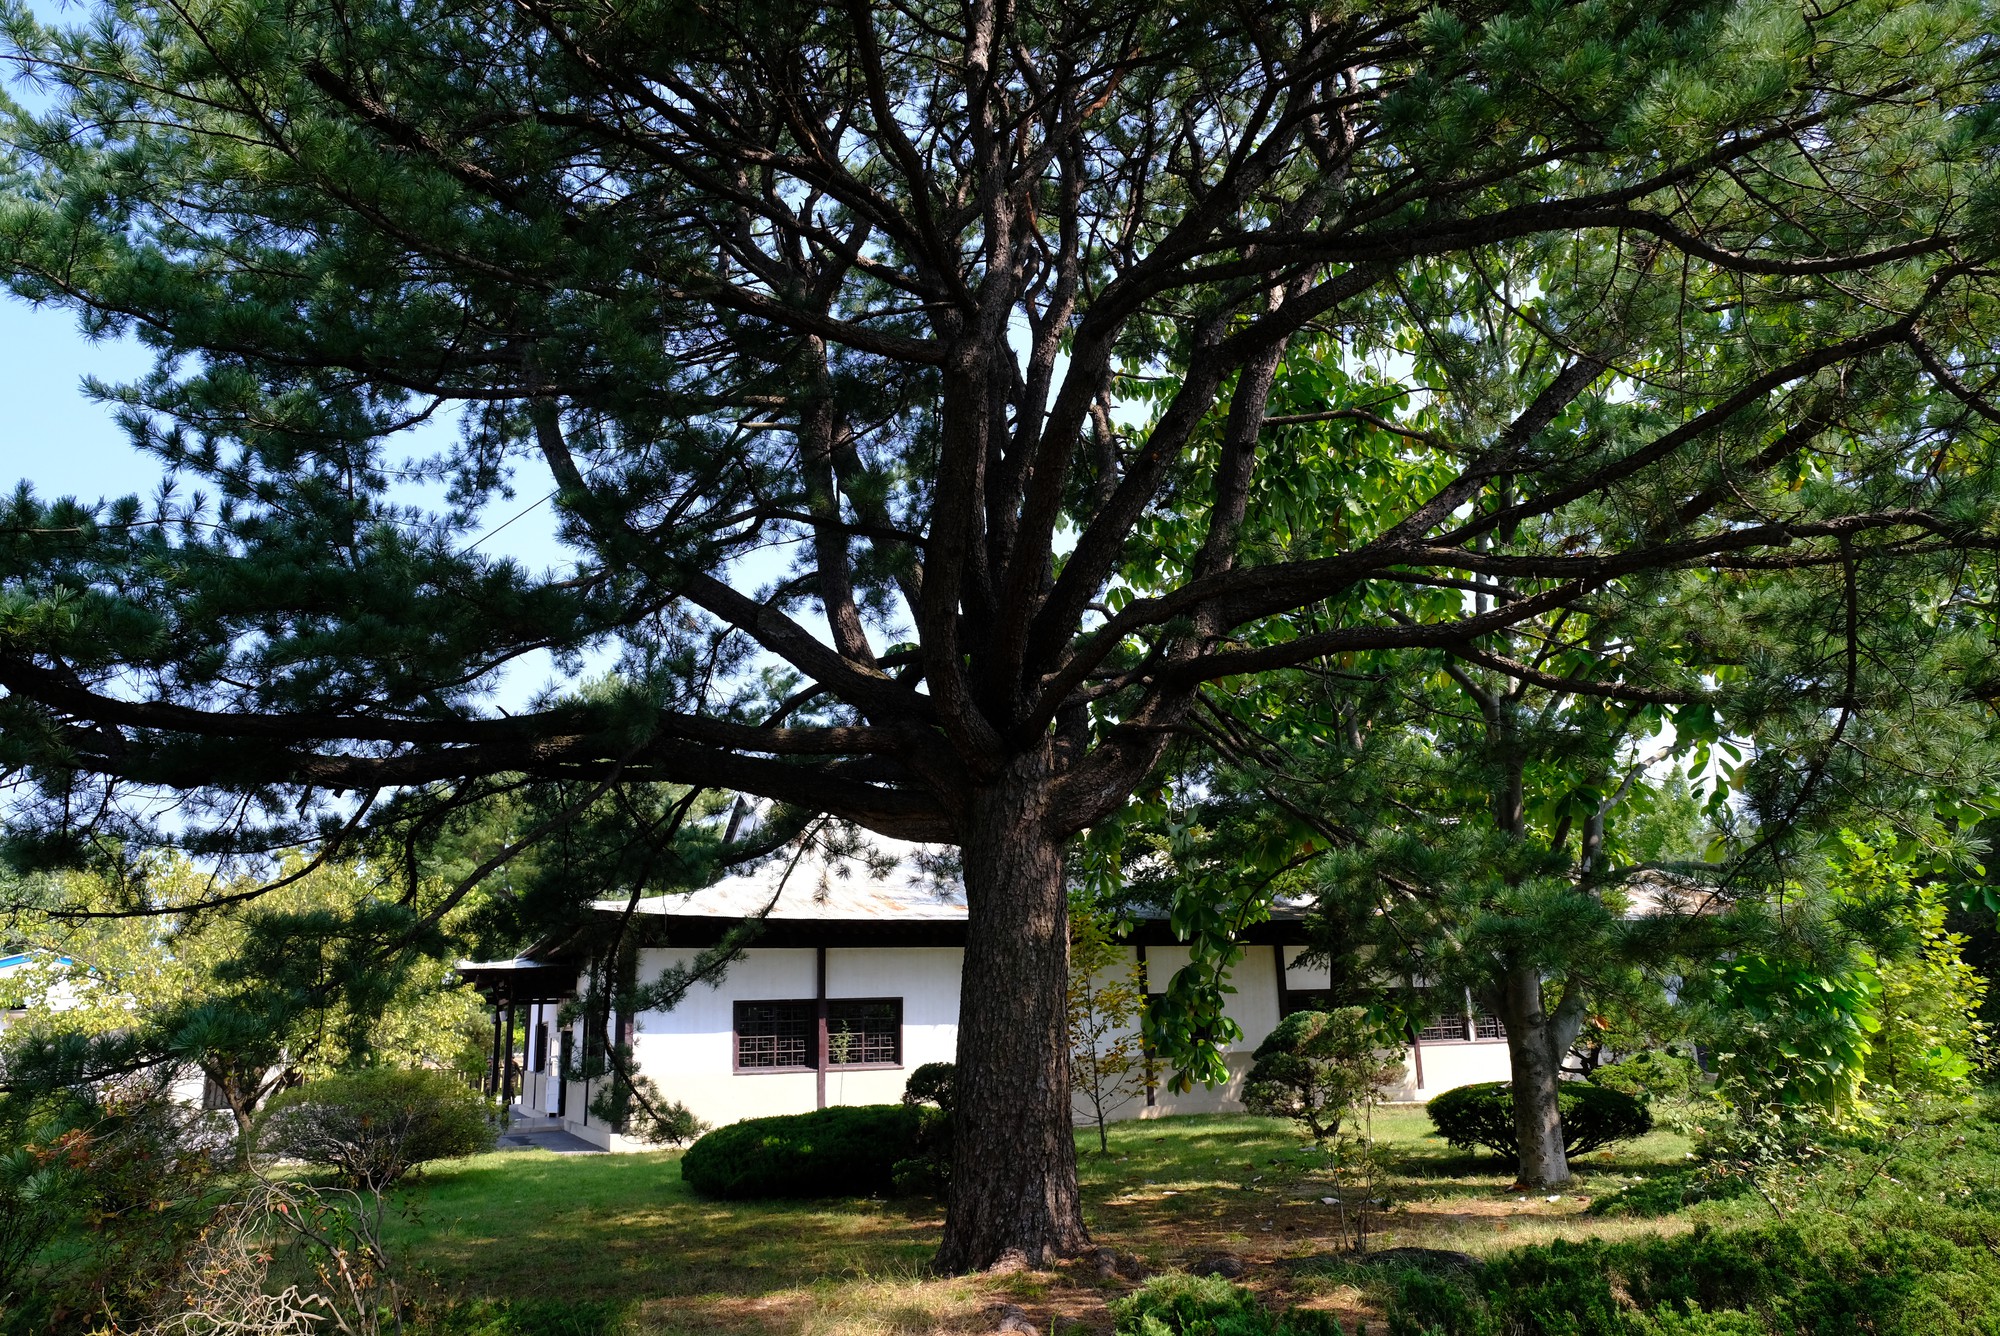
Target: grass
527	1225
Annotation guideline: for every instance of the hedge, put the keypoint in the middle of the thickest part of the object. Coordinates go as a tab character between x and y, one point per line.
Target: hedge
1483	1115
845	1151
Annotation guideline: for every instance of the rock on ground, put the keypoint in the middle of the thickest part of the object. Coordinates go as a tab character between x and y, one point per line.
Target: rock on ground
1011	1320
1226	1266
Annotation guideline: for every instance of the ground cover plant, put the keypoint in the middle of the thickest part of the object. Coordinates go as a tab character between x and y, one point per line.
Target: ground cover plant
1832	1275
1182	1305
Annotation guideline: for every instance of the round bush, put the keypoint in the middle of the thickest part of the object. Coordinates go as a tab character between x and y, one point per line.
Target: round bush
931	1093
1483	1115
376	1125
837	1152
933	1083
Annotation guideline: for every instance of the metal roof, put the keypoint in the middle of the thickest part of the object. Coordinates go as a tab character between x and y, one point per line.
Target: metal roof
883	881
20	958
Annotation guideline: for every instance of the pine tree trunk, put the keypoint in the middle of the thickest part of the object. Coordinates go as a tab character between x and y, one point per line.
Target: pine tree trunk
1536	1060
1013	1178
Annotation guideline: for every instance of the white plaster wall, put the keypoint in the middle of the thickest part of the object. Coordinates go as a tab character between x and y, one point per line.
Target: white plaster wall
926	978
689	1052
1300	976
548	1081
536	1092
594	1132
576	1117
1254	1006
1450	1065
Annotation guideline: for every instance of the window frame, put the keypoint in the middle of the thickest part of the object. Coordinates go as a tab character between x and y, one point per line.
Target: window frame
818	1011
826	1036
813	1018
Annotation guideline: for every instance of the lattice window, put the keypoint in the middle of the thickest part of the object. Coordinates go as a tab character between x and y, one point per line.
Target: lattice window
1485	1025
864	1033
775	1035
1444	1029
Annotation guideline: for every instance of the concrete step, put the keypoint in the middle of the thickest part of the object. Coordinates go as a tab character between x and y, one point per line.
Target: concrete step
520	1120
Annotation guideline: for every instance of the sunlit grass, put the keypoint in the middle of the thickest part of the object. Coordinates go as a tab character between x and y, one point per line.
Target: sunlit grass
534	1225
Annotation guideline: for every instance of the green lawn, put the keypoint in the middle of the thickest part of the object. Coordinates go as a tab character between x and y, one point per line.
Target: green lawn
532	1225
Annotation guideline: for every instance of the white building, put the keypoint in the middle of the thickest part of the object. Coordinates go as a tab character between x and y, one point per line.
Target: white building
31	982
854	982
13	999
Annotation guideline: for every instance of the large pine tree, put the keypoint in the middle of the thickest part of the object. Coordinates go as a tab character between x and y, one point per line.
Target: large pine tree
880	287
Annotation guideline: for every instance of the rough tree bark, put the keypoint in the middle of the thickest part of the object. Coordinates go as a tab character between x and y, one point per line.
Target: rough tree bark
1013	1180
1537	1039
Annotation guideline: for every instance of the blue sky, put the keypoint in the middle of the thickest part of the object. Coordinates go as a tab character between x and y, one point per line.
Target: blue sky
62	443
55	438
50	434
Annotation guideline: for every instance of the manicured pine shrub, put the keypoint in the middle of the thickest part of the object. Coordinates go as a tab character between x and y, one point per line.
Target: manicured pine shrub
935	1084
845	1151
374	1125
1317	1067
1483	1115
932	1092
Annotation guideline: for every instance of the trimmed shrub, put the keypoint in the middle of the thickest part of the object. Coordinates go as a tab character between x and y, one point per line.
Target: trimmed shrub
845	1151
1177	1305
375	1125
931	1092
933	1083
1483	1115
